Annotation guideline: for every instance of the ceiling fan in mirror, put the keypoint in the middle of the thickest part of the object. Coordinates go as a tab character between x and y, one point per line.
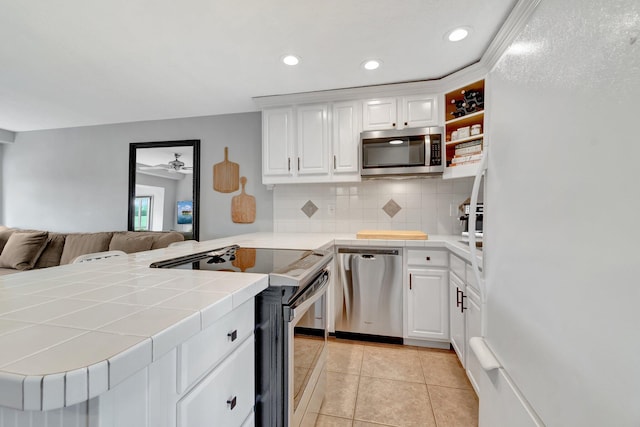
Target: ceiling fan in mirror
174	166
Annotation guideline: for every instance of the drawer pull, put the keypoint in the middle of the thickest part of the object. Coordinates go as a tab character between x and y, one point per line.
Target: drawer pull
232	403
462	307
428	258
233	335
458	292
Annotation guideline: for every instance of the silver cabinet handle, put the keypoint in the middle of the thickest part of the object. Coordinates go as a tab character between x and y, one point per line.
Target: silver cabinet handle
334	162
298	163
288	164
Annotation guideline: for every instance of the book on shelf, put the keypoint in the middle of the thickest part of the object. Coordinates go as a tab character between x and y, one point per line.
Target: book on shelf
472	149
469	143
469	162
468	158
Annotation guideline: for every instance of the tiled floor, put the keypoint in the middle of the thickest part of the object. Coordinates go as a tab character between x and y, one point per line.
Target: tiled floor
373	385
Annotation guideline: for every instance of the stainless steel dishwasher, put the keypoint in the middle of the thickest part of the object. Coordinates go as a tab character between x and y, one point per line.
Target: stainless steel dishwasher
369	293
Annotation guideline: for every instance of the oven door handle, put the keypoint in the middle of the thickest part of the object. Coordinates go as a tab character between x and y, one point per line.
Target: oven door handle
300	307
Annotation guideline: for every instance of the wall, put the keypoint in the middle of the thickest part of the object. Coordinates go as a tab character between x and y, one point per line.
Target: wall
430	205
77	179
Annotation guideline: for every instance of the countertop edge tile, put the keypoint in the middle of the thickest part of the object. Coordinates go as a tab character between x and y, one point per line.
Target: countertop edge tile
53	391
129	361
166	340
98	378
76	386
11	390
32	389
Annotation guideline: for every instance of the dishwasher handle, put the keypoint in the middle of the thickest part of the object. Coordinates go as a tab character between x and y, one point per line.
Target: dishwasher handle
369	251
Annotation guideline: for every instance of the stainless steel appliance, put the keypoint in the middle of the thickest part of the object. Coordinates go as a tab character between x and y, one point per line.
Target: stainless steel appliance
291	327
370	293
464	219
411	151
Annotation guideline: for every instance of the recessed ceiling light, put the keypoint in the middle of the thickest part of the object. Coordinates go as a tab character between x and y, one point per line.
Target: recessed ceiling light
457	34
291	60
371	64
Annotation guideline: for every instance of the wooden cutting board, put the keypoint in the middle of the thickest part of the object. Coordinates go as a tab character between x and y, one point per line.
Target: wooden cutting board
243	206
225	175
245	258
392	234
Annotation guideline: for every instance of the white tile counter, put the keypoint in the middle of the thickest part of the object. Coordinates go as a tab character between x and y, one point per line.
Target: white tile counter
72	332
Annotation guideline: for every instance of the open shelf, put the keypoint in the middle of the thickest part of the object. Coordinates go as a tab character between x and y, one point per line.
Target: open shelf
471	105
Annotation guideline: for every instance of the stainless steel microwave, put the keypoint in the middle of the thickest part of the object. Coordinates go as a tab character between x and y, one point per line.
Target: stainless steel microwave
405	152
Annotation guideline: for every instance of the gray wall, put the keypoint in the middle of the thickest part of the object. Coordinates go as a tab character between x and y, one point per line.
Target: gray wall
76	179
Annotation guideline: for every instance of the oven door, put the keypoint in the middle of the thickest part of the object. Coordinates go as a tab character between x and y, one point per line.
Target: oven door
307	353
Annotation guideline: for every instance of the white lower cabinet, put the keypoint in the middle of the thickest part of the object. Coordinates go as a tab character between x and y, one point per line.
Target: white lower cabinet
457	316
225	396
466	317
427	297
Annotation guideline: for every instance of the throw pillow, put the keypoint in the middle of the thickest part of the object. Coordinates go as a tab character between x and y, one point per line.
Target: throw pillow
4	237
52	252
22	250
130	244
77	244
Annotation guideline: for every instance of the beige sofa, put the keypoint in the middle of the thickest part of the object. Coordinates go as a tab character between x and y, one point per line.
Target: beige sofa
31	249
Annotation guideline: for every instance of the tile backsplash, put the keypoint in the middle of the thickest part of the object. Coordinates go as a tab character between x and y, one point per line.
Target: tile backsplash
429	205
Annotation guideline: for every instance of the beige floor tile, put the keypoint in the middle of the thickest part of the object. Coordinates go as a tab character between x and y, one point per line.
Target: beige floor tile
366	424
444	369
344	357
340	395
395	363
329	421
396	403
454	407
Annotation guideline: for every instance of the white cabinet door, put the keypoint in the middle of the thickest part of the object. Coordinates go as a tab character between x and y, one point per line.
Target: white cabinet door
277	141
428	304
226	396
419	111
346	137
313	139
379	114
457	317
474	329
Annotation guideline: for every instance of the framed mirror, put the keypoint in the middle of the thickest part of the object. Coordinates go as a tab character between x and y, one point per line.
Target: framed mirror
164	187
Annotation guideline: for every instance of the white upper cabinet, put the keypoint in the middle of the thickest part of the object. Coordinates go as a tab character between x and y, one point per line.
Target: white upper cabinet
346	136
419	111
277	142
399	113
379	114
313	140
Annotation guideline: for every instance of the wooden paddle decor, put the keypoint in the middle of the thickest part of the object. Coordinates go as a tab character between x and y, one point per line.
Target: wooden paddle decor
225	175
243	206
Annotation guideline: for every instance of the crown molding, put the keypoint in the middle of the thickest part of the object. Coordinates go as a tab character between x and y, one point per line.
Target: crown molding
508	32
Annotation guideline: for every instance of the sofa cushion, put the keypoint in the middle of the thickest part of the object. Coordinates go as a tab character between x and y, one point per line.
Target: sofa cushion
162	240
52	252
4	236
77	244
22	250
130	242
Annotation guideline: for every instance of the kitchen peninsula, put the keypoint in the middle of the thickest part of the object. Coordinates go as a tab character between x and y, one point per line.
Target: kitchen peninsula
116	343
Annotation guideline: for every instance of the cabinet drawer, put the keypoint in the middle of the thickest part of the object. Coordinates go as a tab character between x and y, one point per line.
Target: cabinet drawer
431	258
226	396
457	267
471	278
202	352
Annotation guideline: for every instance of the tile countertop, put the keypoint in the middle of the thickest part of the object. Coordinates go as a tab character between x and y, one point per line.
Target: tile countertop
72	332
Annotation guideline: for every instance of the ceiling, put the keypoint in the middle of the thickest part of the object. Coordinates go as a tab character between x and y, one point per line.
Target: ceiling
78	63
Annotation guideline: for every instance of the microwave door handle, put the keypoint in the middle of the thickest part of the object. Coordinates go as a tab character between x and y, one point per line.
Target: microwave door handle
427	150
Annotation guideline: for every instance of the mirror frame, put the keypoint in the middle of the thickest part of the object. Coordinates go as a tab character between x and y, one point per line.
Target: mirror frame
195	143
